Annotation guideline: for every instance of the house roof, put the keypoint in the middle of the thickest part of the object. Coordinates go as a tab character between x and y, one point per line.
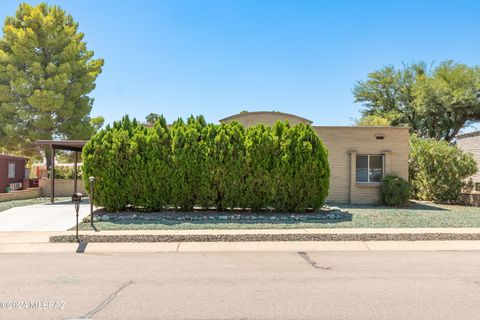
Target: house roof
71	145
12	157
468	135
259	113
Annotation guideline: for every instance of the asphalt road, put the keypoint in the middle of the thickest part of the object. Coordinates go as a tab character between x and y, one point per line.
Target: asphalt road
317	285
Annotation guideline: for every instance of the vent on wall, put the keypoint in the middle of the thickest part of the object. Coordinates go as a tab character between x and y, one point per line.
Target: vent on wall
379	136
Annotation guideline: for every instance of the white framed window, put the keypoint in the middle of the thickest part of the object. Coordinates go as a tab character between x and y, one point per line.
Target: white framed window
11	170
370	168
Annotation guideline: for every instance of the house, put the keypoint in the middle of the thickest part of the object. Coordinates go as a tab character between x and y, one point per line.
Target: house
12	173
470	142
359	157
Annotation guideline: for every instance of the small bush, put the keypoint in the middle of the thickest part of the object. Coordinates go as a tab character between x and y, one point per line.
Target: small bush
395	191
438	171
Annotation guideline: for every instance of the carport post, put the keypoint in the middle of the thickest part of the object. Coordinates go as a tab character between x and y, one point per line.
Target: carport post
52	178
92	181
75	172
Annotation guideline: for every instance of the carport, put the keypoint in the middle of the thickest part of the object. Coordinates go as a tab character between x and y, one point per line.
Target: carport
68	145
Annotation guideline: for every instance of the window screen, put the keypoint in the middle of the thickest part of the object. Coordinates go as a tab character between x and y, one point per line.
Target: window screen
11	170
369	168
362	168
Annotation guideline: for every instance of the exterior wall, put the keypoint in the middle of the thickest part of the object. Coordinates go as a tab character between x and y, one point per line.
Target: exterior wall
248	119
63	187
344	143
471	199
19	171
470	142
21	194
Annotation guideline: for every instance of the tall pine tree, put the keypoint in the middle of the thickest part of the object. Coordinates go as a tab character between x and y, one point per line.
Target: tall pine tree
46	74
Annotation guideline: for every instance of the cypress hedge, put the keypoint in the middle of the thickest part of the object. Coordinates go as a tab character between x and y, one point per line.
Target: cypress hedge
195	164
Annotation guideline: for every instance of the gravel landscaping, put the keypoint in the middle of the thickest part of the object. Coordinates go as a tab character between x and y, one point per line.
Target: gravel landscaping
268	237
417	215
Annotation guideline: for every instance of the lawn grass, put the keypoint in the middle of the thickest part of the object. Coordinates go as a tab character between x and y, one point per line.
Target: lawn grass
418	215
27	202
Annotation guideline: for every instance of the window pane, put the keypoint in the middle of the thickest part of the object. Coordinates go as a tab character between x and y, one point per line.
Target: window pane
362	168
376	168
11	170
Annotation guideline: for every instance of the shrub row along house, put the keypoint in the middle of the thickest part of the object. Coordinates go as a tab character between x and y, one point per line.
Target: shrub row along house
359	157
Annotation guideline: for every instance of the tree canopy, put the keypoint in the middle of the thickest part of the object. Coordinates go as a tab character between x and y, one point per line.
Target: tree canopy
434	102
372	121
46	74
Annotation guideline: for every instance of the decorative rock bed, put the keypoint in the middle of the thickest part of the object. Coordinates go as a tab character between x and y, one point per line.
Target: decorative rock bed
325	213
267	237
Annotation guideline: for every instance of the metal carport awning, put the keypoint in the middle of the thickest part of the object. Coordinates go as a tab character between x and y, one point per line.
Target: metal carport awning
69	145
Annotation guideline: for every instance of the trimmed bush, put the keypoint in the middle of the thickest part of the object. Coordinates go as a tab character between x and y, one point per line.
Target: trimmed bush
260	156
198	164
395	191
438	170
300	164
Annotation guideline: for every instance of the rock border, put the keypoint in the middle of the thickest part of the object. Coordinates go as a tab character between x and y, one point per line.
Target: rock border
325	213
268	237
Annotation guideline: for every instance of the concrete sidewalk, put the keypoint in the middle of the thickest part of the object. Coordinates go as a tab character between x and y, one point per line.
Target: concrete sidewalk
278	246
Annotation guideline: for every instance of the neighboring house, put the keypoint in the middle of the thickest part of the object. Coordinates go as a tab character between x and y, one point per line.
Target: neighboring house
359	157
12	172
470	142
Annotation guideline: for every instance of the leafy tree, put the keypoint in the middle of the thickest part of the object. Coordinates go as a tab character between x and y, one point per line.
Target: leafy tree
438	171
434	103
151	118
46	74
372	121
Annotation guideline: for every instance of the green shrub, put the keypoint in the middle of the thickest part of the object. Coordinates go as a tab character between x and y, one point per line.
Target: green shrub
260	155
198	164
227	152
191	184
438	170
64	172
395	191
301	173
107	157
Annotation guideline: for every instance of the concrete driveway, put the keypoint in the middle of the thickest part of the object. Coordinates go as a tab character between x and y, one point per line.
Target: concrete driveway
59	216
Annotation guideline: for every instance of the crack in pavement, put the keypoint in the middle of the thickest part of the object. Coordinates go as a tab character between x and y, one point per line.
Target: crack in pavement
305	256
106	302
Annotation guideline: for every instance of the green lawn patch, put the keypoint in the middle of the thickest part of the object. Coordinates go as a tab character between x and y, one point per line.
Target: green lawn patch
418	215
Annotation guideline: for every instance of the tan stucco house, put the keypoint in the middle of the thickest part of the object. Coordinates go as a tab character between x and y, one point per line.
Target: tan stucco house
470	142
359	157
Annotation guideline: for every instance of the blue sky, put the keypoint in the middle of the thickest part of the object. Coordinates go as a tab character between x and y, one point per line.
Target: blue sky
218	58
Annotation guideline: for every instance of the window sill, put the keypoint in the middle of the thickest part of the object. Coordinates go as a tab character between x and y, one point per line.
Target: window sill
368	184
